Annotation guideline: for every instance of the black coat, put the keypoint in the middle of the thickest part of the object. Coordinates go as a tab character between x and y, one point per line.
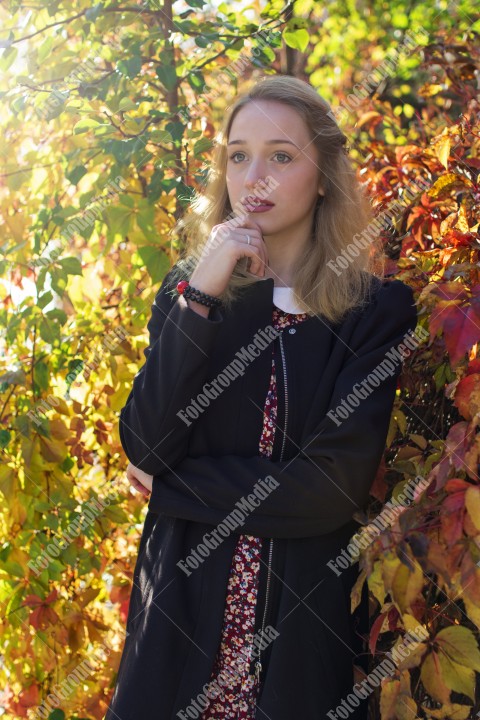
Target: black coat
322	467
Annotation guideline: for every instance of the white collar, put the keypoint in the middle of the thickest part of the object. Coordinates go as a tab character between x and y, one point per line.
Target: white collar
284	299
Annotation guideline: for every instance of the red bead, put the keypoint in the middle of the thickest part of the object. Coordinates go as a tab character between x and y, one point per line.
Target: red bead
181	286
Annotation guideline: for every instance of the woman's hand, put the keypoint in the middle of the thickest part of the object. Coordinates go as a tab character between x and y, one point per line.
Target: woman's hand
226	245
139	479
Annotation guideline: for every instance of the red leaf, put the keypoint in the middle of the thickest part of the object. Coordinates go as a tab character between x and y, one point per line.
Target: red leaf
393	616
453	510
455	501
379	487
375	631
460	327
457	485
467	396
450	291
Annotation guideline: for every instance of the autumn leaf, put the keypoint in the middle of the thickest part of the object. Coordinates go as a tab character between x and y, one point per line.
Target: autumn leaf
42	615
432	678
449	711
407	585
472	503
460	326
467	396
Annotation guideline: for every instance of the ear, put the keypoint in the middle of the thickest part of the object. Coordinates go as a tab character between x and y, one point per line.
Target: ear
321	191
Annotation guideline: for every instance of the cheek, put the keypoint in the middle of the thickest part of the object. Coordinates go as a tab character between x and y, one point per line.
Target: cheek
300	188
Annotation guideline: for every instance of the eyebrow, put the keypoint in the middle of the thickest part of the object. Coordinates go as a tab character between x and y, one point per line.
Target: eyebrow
268	142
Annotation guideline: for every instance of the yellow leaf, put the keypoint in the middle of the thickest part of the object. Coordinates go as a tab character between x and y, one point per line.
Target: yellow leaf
411	624
390	564
388	699
375	583
442	150
356	593
401	420
366	117
407	585
16	225
472	503
430	89
459	643
59	430
17	512
450	711
447	181
7	480
416	651
418	440
473	610
406	708
431	676
458	677
462	220
52	450
87	596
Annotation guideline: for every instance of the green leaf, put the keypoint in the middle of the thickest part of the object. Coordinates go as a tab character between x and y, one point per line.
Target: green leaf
119	219
49	332
202	146
298	39
167	76
76	174
71	265
45	49
196	81
8	58
87	124
92	13
161	136
5	438
56	715
41	374
131	67
126	103
57	314
44	299
156	261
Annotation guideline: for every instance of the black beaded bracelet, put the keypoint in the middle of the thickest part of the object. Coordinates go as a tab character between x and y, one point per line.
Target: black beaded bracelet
185	289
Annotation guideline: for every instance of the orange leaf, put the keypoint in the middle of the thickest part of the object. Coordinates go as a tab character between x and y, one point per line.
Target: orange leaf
467	396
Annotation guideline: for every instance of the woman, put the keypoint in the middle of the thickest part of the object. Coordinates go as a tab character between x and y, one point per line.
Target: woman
239	432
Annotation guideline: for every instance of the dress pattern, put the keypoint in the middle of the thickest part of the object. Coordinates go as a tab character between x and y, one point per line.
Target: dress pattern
232	663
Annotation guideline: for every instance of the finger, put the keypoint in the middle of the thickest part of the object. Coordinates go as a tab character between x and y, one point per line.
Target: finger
256	252
140	488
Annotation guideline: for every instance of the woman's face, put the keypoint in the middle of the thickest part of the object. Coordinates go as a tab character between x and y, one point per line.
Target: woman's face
269	138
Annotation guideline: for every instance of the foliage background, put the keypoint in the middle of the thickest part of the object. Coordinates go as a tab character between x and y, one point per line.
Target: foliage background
108	113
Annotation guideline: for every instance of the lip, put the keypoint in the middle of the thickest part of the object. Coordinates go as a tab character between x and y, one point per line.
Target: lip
255	204
258	208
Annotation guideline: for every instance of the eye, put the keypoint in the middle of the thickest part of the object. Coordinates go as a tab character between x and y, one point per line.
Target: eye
233	155
284	155
279	152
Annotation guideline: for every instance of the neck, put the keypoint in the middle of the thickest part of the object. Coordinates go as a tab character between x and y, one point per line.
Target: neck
282	257
284	249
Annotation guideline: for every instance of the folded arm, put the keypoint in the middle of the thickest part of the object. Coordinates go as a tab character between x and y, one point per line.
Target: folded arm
321	487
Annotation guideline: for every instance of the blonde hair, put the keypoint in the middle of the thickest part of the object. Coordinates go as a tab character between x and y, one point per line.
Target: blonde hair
335	273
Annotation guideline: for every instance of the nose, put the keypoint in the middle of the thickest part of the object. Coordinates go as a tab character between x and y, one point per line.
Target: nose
254	178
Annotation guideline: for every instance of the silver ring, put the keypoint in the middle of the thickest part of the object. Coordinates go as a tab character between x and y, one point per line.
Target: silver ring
248	239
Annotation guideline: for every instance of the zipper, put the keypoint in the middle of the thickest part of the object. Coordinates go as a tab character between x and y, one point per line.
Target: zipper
258	664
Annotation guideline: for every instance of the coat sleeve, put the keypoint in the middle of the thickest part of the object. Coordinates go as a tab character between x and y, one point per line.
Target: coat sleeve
175	369
319	489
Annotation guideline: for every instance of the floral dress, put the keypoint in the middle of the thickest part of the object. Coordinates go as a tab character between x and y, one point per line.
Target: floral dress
238	699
